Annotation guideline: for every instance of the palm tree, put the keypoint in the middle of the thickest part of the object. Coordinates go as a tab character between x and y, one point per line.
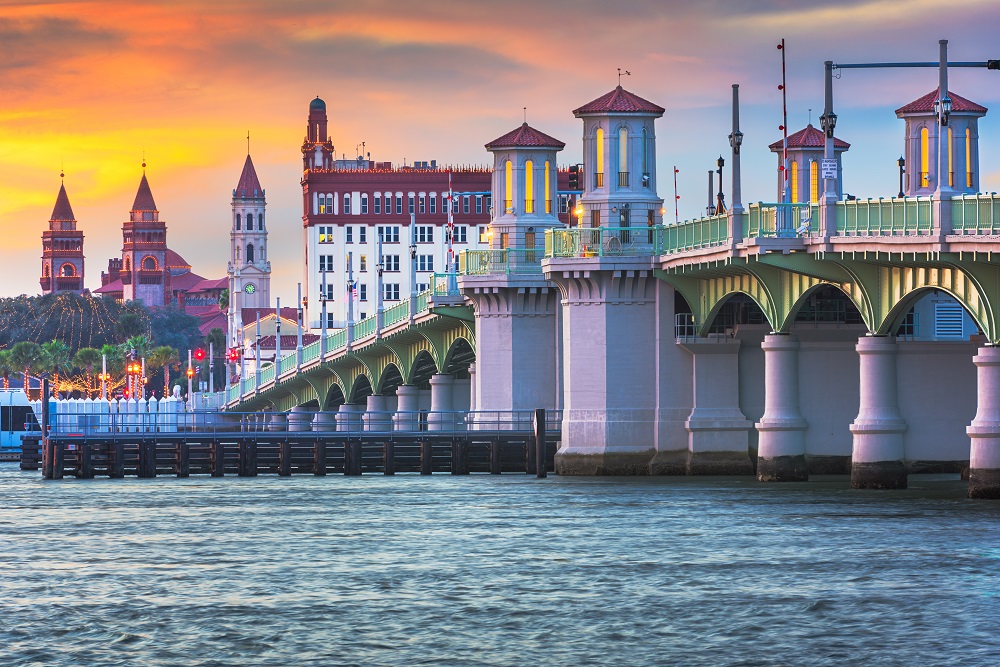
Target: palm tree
26	354
224	300
56	360
6	367
116	361
87	358
164	357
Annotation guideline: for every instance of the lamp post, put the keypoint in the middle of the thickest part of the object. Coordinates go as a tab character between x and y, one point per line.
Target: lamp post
902	169
735	141
720	201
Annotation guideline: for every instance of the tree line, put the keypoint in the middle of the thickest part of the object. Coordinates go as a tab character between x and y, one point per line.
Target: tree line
67	335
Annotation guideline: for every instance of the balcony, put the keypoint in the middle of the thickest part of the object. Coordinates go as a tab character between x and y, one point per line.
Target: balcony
599	179
46	283
623	179
529	205
150	277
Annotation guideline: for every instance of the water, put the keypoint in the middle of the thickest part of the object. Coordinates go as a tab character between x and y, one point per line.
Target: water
487	570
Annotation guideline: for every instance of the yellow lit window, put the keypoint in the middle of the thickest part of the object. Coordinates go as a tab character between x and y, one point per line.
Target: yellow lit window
968	157
814	181
795	181
529	187
924	158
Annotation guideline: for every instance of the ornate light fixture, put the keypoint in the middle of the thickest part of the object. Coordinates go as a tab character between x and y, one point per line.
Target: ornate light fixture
736	140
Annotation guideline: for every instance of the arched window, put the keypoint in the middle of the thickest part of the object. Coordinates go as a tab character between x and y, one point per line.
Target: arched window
239	222
925	161
68	270
249	222
951	164
249	253
128	264
795	181
508	191
45	271
260	221
968	157
548	188
529	187
263	252
148	264
645	153
813	181
599	167
623	157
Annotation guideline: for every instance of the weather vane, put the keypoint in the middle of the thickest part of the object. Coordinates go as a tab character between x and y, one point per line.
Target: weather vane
525	109
248	142
620	72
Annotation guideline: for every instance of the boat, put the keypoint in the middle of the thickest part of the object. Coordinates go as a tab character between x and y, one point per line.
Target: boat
17	417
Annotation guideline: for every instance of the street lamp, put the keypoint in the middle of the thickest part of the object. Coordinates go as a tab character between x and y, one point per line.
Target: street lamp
902	168
828	122
720	204
942	108
735	141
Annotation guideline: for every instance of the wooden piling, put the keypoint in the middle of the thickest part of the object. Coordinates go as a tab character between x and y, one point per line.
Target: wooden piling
218	459
319	458
116	456
459	457
285	459
48	453
540	471
495	446
529	456
389	457
426	458
86	461
58	459
355	458
183	459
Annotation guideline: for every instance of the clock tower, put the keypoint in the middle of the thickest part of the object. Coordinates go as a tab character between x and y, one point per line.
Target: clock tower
249	269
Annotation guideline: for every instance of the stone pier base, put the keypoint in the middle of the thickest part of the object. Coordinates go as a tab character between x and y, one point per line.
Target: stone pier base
719	463
984	483
783	469
604	463
878	475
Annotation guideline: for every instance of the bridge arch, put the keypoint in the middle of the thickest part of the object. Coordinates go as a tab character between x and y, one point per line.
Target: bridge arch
422	368
361	388
897	314
460	354
390	378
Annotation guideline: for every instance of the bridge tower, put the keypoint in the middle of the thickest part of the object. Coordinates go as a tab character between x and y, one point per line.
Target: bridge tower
249	269
922	140
62	249
805	151
516	323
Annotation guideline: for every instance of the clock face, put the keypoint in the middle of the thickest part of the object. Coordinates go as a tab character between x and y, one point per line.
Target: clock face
249	288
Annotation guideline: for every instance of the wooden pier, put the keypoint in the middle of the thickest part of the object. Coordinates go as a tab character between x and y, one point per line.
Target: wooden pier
218	454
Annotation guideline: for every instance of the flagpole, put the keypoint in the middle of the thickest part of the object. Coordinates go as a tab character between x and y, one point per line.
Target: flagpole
677	215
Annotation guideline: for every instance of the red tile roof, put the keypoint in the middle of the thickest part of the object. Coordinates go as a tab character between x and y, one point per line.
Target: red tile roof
527	137
209	284
925	104
144	197
183	282
249	315
209	317
619	100
62	210
249	186
111	288
809	137
287	342
175	261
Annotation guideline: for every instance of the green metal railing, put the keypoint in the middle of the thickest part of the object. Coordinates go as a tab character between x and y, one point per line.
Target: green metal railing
764	220
422	301
692	234
508	261
232	392
398	313
267	373
286	364
336	341
310	352
365	327
602	242
975	214
445	284
885	217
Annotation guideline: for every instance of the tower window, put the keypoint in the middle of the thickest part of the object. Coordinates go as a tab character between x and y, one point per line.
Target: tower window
249	222
924	158
795	181
68	270
813	181
239	222
148	264
249	253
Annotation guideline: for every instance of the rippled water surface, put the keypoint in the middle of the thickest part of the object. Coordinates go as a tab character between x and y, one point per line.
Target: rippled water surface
483	570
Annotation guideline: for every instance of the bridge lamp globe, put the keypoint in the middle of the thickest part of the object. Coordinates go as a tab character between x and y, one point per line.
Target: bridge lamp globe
828	122
736	140
942	108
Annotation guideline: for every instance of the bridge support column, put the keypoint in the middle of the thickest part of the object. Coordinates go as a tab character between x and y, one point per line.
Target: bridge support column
782	444
609	365
984	462
407	417
877	457
441	417
349	417
377	417
718	432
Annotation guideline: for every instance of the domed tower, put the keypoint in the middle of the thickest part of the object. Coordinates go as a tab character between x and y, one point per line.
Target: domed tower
619	155
317	149
249	269
144	248
62	249
805	153
524	187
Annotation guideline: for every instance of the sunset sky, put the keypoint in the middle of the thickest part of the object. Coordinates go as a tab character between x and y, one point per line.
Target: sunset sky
93	86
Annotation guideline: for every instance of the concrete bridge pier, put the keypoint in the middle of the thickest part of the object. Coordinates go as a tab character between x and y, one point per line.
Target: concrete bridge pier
349	417
878	451
984	463
376	416
441	417
407	417
718	431
781	452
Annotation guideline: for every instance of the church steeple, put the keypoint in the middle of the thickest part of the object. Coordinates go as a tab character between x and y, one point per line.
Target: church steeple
249	269
144	273
62	249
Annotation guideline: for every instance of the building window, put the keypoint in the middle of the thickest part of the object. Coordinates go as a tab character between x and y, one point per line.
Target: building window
461	234
422	287
563	203
378	203
249	222
924	159
548	189
249	253
968	157
479	203
325	261
645	158
795	181
623	157
330	321
326	291
349	232
364	204
508	190
425	262
390	263
239	222
595	217
599	167
951	162
465	204
388	234
529	187
434	201
322	208
363	294
363	315
423	204
489	203
347	204
390	292
409	205
329	203
326	234
399	204
363	263
813	181
425	234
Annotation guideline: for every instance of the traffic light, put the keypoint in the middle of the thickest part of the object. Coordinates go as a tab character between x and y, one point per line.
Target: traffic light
199	354
574	177
190	372
234	355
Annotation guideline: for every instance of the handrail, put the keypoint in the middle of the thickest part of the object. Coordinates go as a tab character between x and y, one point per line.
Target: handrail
641	241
